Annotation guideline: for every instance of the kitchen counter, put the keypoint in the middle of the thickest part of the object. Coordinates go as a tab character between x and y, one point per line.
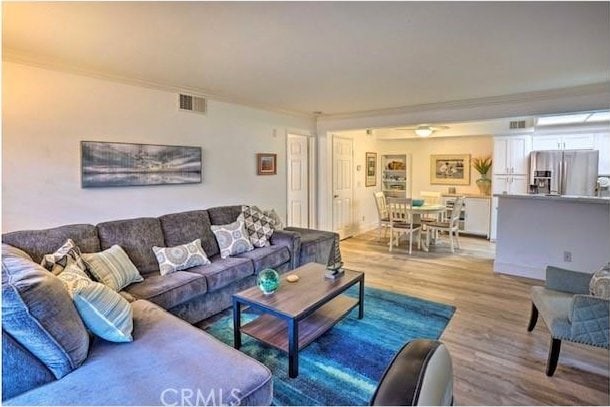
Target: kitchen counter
558	198
535	231
466	196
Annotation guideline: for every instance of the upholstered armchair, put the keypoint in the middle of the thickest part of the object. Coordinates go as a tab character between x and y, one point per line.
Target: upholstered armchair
569	312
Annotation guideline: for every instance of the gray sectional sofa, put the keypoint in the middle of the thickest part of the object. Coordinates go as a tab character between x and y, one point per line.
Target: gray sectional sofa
167	353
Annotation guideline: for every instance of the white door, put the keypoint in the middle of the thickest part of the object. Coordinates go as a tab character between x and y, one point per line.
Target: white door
297	180
500	160
519	155
579	142
343	192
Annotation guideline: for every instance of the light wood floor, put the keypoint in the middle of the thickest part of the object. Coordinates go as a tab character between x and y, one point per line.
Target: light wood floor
496	361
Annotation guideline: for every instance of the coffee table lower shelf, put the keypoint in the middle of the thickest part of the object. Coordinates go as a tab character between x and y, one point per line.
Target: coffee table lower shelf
273	330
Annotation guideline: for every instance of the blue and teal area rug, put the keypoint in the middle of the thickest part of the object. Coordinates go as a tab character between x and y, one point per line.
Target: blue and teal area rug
343	366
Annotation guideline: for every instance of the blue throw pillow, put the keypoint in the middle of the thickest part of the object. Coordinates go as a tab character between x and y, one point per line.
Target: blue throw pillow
105	312
39	314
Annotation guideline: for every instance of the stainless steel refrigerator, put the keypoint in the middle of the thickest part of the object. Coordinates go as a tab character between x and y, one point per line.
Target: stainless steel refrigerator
565	172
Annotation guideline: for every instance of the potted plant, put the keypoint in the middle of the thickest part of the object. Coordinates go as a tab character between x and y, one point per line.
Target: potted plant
482	165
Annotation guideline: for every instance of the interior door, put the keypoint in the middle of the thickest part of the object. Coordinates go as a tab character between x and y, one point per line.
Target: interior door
297	181
343	192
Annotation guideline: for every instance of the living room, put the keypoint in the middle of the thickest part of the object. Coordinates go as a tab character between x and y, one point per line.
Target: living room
233	84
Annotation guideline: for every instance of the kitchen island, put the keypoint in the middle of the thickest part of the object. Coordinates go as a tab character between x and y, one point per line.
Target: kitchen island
534	231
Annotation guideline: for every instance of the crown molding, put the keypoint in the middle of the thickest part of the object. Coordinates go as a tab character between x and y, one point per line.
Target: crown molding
14	56
576	91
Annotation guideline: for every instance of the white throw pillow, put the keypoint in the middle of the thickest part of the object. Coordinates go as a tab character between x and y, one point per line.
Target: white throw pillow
599	285
113	268
180	257
232	238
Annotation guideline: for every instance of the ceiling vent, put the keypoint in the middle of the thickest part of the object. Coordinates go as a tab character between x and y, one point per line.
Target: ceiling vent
517	124
191	103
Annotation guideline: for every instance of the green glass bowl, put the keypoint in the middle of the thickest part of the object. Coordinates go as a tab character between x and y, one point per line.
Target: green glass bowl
417	202
268	281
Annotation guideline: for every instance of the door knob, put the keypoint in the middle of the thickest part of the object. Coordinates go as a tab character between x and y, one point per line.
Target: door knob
335	196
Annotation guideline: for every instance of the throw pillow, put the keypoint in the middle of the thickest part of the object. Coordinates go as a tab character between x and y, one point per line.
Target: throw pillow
113	268
8	250
39	314
180	257
258	225
106	313
232	238
600	282
67	254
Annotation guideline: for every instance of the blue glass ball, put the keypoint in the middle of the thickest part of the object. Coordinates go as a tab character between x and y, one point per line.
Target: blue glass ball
268	281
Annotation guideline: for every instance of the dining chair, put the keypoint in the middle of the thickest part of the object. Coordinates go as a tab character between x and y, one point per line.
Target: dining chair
431	198
451	226
382	213
401	222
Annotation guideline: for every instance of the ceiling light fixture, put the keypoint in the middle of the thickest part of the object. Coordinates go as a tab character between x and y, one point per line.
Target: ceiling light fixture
424	131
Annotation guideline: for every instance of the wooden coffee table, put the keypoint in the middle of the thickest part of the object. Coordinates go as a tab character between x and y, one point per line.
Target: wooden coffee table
298	313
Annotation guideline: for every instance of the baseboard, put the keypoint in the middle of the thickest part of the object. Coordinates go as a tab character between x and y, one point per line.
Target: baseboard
520	270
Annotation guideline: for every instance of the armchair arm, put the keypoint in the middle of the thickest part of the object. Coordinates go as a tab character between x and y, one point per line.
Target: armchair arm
568	281
589	317
291	240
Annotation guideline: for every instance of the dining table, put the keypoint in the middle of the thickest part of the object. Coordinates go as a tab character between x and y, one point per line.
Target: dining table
427	209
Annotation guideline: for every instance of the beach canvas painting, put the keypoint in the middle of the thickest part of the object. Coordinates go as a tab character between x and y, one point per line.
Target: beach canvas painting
450	169
123	164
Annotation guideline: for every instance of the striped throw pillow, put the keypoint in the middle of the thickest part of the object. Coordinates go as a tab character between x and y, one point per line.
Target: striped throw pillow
180	257
105	313
113	268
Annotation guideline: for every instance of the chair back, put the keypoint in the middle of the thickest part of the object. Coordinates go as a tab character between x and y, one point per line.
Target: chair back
399	210
458	205
380	202
431	197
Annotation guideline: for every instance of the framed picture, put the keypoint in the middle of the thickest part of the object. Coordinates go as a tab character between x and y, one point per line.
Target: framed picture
371	170
266	164
450	169
125	164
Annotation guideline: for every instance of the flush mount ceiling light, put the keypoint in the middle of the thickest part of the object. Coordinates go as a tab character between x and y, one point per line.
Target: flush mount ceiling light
424	130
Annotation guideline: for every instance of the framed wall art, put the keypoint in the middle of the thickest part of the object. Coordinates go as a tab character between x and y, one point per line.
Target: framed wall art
371	170
106	164
450	169
266	164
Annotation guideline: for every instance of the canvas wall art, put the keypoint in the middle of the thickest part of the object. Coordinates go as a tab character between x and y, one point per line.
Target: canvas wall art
450	169
124	164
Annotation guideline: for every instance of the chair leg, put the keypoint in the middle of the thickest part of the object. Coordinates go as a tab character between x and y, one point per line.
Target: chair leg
551	363
451	240
533	318
410	242
379	234
391	239
457	239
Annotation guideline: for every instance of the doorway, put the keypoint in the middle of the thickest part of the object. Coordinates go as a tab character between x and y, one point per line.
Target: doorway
343	188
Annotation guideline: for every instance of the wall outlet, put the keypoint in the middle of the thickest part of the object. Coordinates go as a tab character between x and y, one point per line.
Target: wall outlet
363	218
567	257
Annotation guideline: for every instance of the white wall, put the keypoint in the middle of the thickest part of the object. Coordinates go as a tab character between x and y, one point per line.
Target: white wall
421	150
47	113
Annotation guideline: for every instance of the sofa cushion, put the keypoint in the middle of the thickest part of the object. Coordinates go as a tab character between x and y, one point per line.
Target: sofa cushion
267	257
554	307
39	314
166	356
113	268
232	238
184	227
222	272
104	311
37	243
222	215
69	253
170	290
181	257
136	237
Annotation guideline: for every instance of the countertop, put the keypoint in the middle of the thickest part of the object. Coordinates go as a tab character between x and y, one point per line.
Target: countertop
563	198
467	196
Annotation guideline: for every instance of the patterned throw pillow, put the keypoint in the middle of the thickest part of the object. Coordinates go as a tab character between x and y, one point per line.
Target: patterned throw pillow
180	257
600	282
113	268
232	238
104	312
259	226
67	254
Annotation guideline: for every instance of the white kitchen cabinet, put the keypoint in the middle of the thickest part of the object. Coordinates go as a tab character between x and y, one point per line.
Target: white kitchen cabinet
602	143
563	142
511	154
505	184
